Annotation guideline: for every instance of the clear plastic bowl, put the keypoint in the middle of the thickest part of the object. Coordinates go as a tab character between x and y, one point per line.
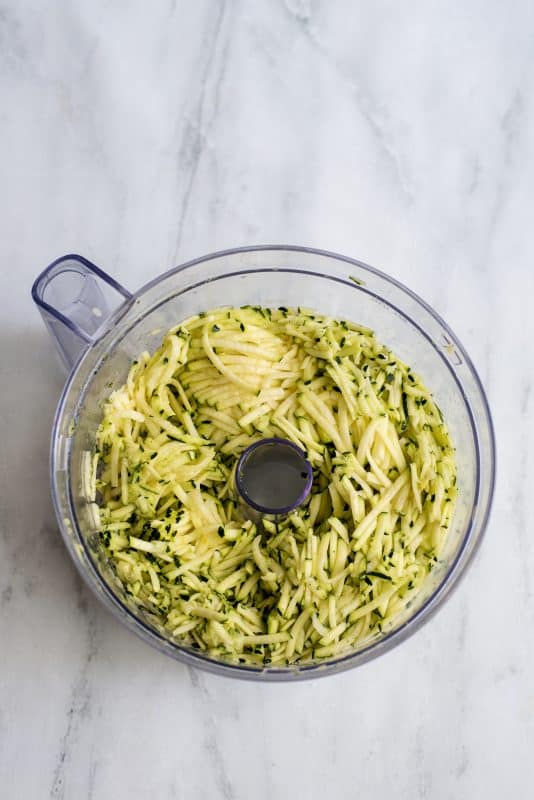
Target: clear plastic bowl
104	327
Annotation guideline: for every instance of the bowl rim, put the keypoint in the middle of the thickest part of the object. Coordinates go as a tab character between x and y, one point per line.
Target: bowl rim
378	646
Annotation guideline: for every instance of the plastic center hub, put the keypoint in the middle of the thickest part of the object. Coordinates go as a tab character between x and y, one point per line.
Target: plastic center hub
273	476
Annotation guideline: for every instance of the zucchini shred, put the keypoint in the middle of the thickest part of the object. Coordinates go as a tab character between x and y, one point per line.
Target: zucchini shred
338	570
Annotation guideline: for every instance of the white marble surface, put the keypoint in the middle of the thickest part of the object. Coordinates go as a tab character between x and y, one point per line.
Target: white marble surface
142	134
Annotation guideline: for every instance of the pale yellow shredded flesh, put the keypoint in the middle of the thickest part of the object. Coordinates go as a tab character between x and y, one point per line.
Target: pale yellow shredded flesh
337	571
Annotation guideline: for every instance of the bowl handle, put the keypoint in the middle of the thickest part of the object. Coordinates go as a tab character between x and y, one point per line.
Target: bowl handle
76	299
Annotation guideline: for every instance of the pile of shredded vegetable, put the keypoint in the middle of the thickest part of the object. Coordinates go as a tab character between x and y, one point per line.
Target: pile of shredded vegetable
341	567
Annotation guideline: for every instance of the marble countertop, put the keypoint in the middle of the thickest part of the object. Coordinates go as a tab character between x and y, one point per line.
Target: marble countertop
141	135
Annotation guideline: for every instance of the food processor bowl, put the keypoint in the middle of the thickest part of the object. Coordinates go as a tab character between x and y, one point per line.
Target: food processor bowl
100	327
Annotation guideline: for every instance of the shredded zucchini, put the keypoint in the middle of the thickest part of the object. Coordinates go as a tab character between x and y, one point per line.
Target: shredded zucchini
339	569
